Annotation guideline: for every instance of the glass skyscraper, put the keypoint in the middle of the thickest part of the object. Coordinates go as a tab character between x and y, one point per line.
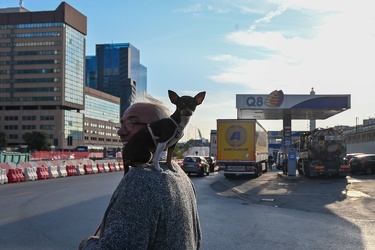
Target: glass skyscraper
120	72
91	72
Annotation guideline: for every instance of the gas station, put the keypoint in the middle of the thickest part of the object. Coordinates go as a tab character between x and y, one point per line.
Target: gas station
277	106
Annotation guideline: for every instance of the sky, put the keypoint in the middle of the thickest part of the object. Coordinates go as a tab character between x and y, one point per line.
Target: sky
229	47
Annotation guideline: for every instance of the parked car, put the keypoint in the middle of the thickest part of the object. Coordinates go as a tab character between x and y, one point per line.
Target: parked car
362	163
212	162
351	155
195	164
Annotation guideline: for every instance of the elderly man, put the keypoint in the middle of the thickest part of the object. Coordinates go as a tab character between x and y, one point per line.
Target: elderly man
149	209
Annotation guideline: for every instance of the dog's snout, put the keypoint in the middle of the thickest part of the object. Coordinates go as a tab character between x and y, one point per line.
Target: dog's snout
186	112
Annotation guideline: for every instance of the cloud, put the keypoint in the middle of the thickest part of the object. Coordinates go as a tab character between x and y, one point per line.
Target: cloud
336	54
336	59
268	17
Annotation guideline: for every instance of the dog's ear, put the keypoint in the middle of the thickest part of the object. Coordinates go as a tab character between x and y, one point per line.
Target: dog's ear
200	97
173	96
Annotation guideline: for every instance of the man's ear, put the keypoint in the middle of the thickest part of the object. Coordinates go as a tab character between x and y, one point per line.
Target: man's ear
173	96
200	97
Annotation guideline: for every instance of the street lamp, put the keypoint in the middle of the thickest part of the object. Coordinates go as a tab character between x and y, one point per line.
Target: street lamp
356	124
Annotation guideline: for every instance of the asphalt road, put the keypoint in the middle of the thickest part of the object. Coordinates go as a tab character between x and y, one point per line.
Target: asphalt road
242	213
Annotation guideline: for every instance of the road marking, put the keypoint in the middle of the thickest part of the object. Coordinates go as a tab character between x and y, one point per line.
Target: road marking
352	180
353	193
267	200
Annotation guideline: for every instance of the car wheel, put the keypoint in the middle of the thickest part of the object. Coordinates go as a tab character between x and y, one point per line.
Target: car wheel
201	173
368	170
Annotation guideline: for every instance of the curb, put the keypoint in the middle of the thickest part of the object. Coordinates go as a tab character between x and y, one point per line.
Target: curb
286	177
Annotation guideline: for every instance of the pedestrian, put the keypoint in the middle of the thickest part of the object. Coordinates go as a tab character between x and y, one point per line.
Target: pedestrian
149	209
270	161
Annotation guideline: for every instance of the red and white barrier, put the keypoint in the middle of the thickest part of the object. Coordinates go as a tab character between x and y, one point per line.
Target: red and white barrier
121	166
94	168
30	174
87	168
29	171
52	172
100	167
42	173
71	170
80	169
117	167
111	167
15	175
3	176
61	170
106	168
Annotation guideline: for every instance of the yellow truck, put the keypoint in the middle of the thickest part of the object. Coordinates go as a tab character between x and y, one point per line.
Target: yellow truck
242	147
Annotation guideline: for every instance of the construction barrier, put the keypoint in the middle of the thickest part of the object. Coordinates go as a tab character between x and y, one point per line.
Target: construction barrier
3	176
36	170
106	168
42	173
87	168
15	175
61	170
94	168
52	172
111	167
100	167
71	170
30	174
117	167
80	169
120	166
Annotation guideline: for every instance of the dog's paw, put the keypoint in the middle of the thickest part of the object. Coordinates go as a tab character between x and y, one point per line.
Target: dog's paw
171	167
158	168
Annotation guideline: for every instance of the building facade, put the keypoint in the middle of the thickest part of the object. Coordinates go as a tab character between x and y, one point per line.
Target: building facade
42	76
101	115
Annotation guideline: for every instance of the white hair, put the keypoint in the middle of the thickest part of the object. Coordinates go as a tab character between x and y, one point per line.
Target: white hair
161	109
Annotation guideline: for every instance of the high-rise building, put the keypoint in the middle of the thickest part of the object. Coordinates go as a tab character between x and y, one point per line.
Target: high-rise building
92	72
120	72
42	78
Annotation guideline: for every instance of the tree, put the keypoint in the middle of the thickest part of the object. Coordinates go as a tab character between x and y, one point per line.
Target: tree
3	139
37	140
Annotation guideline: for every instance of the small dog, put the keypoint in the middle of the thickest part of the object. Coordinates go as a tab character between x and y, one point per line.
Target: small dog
149	142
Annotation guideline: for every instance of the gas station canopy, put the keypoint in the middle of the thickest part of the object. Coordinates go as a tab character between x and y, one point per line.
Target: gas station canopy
277	106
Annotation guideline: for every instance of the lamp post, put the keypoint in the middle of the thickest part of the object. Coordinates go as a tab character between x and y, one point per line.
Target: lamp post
356	124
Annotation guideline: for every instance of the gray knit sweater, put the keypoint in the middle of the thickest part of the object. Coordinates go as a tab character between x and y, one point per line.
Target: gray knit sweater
151	210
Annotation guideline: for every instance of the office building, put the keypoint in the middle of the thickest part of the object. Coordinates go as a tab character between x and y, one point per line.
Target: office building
42	78
91	72
101	114
120	72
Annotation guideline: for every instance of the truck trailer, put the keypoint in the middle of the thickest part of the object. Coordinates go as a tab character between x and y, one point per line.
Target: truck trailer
242	147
